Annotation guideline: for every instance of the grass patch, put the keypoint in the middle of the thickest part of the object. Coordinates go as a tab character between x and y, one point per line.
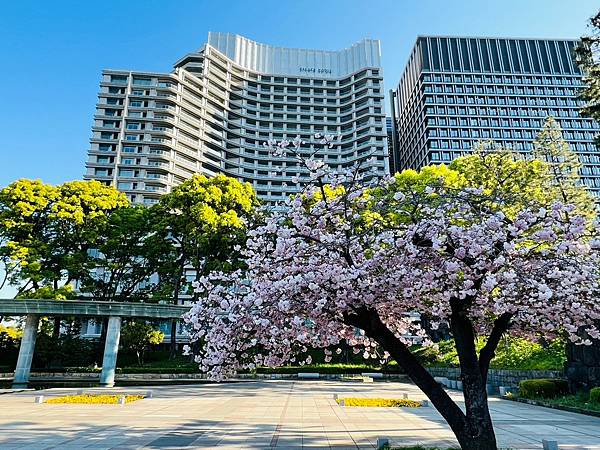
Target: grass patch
580	400
379	402
94	399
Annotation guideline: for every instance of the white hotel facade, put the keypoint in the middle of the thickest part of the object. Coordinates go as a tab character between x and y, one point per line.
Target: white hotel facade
218	106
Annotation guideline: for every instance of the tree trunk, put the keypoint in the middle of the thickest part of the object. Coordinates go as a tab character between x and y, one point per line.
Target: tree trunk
173	352
474	431
479	421
177	288
103	330
56	328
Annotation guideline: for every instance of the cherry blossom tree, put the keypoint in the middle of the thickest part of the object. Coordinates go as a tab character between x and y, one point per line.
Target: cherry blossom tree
353	258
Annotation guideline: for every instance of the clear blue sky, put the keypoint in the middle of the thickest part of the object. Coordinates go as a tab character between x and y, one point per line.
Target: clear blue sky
52	52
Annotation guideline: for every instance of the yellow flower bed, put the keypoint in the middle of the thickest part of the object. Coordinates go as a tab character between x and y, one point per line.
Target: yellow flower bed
379	402
94	399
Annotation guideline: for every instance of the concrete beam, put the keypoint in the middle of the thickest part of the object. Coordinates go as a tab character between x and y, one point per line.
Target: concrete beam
90	308
26	351
111	349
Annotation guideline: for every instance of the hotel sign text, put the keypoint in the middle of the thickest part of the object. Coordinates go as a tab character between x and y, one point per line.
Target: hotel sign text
315	70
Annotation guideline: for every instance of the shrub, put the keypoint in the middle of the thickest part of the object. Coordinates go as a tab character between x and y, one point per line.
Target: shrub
94	399
512	353
66	351
10	339
379	402
543	388
595	395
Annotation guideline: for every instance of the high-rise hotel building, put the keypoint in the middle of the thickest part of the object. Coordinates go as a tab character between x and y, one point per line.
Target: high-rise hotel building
218	106
456	91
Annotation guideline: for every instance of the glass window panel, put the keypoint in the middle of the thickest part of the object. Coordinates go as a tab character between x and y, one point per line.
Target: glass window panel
454	52
534	56
565	57
475	55
445	55
465	55
544	54
425	54
504	52
554	57
515	56
524	57
495	56
485	56
435	56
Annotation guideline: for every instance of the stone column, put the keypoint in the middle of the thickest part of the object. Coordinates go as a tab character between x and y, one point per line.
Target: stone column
111	348
26	351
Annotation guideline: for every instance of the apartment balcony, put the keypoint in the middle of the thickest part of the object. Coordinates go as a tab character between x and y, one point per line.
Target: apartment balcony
162	118
159	164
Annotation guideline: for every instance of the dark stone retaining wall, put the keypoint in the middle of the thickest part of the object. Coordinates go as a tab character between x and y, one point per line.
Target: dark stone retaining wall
583	365
498	377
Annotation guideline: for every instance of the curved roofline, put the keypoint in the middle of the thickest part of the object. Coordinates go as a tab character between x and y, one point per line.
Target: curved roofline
280	47
265	58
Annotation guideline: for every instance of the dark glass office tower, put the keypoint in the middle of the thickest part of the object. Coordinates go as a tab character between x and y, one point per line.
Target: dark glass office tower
456	91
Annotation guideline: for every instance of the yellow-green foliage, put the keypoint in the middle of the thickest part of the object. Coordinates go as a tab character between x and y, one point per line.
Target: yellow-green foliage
10	332
94	399
213	204
429	176
503	173
512	353
379	402
79	202
46	231
413	185
595	395
48	292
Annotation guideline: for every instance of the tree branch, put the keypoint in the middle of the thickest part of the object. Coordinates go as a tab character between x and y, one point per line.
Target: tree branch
369	321
487	353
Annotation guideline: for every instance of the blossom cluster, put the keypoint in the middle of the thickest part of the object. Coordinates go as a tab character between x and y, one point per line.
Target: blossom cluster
394	251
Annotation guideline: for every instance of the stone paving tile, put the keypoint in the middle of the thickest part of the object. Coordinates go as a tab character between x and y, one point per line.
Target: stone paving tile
256	415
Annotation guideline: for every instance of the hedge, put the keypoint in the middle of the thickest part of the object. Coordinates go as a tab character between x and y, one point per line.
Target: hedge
94	399
543	388
379	402
595	395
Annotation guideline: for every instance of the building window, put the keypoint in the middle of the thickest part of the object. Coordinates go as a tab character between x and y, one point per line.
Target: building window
142	81
120	79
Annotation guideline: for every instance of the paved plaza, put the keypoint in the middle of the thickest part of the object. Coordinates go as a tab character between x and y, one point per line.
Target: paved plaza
275	414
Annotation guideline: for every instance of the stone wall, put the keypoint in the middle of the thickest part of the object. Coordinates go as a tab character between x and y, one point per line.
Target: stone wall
583	365
497	377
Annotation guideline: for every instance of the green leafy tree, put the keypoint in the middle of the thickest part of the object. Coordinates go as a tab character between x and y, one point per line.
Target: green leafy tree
80	219
206	219
563	177
25	218
48	231
127	257
138	336
502	173
588	57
